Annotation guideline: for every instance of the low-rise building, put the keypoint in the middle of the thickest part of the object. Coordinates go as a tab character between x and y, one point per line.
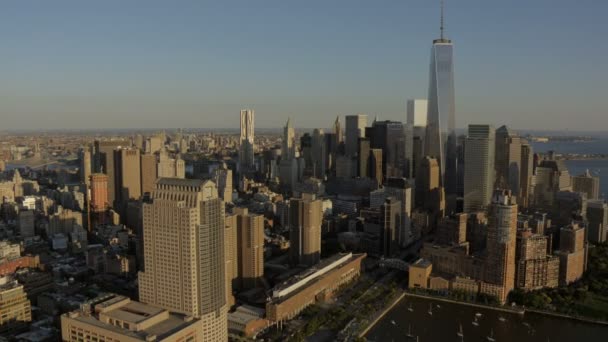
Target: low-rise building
15	308
117	318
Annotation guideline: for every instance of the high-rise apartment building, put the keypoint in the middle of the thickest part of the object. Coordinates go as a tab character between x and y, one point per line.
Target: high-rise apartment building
401	190
501	243
597	216
231	257
223	179
319	154
305	219
127	175
572	253
99	192
104	163
452	230
588	184
15	307
355	129
250	248
535	268
526	177
169	167
246	141
417	111
390	225
440	134
184	261
85	164
479	167
552	176
507	160
149	172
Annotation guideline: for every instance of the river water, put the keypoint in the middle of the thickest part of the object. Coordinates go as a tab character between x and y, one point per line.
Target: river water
446	319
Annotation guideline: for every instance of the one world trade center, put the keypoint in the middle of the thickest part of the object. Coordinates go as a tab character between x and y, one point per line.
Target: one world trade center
440	140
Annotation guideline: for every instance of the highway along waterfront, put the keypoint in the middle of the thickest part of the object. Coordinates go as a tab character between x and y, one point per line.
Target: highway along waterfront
433	320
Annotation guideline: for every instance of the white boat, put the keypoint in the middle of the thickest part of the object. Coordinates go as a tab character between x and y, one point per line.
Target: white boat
393	322
438	306
410	308
502	319
491	337
431	309
478	314
475	323
459	332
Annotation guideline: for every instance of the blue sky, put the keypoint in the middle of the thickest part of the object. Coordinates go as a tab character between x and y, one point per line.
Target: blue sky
537	64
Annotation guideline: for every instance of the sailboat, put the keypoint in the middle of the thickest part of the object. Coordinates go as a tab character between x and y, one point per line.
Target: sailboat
475	323
409	332
460	332
410	308
431	309
491	337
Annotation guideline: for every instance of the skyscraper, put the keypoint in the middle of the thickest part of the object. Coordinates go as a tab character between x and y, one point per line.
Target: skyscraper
479	167
183	231
99	192
441	116
127	176
170	167
319	154
104	163
417	112
85	165
305	218
389	136
149	172
250	248
223	179
501	243
355	129
597	215
246	141
363	157
288	173
526	188
588	184
507	160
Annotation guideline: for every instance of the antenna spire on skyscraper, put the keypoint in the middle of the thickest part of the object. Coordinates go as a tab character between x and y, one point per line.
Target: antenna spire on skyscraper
441	27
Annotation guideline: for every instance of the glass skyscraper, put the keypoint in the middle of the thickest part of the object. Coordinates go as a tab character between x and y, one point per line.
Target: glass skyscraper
440	141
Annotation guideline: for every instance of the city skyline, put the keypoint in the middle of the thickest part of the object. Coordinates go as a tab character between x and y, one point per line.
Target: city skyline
355	59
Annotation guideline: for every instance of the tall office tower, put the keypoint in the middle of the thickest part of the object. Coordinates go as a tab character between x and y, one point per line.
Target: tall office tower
390	223
569	206
25	223
597	216
375	165
408	138
389	136
246	141
184	262
155	143
250	248
417	112
417	149
338	131
501	243
552	176
429	193
138	141
85	165
15	307
587	184
127	175
535	269
401	190
526	188
288	165
572	253
288	150
306	152
363	149
149	172
305	218
231	257
507	160
168	167
452	230
479	167
441	116
319	154
104	163
355	129
223	178
99	192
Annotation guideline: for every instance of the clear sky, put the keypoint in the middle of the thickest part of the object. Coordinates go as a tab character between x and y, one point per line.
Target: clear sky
538	64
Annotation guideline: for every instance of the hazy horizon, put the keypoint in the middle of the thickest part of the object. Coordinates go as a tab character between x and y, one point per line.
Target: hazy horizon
80	65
